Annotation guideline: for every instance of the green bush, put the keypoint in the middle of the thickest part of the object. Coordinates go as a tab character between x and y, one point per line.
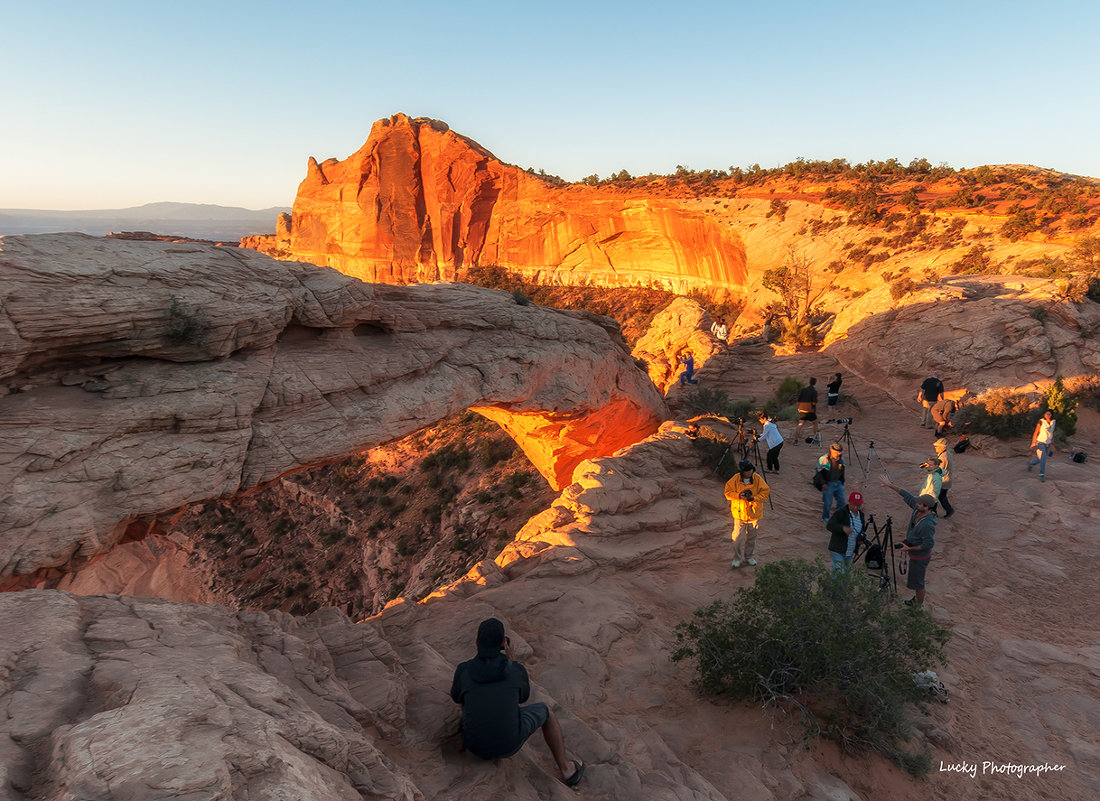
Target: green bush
830	645
1000	412
781	406
1064	406
715	454
184	323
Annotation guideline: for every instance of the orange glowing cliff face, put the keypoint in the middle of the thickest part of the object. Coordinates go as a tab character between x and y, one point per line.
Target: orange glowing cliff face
419	202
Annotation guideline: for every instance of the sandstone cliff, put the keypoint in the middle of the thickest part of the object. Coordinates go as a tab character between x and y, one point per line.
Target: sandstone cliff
139	377
419	202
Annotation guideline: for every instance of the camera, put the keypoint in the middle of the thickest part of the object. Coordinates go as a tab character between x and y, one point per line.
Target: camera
931	464
898	546
844	420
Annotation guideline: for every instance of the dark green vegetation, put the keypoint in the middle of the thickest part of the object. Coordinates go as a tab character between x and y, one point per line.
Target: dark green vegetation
1010	415
184	323
831	647
1006	414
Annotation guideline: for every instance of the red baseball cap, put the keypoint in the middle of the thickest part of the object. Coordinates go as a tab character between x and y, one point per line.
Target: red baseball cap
855	497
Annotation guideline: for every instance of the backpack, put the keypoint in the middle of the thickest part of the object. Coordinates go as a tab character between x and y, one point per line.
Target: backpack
1079	456
873	557
819	481
962	444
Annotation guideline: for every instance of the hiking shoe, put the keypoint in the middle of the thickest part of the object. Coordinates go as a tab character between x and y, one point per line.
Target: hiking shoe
735	563
1042	477
1029	466
752	561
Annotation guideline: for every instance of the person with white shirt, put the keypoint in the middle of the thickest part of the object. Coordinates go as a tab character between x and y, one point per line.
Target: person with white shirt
1042	442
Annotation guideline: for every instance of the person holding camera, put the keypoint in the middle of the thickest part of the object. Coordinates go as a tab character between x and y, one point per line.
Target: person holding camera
491	687
919	540
773	441
943	455
846	526
746	493
933	480
830	470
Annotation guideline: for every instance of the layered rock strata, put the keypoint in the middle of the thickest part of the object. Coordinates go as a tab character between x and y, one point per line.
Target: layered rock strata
419	202
979	332
139	377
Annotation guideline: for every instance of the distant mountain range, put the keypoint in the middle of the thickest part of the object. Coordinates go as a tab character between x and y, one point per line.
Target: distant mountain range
194	220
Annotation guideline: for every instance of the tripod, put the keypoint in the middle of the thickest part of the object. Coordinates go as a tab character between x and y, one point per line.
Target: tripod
883	539
872	453
846	438
759	460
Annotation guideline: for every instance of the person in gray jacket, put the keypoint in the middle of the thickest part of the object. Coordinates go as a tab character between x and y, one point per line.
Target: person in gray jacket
920	538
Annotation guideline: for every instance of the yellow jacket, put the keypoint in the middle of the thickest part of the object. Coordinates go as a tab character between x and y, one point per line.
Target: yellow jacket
742	509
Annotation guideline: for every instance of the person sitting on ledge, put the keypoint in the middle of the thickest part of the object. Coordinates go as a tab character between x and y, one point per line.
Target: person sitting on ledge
491	687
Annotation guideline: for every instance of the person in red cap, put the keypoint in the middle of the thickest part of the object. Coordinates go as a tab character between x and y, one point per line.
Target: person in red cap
846	525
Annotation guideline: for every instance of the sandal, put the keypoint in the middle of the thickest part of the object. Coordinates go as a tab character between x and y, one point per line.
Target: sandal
578	774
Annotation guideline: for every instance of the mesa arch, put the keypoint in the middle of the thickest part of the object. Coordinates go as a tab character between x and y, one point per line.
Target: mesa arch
137	378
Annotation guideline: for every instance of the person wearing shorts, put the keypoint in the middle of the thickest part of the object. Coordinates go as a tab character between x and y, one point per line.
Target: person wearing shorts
807	409
491	688
920	538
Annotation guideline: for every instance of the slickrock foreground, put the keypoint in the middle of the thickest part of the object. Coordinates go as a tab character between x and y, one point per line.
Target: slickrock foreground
139	377
109	697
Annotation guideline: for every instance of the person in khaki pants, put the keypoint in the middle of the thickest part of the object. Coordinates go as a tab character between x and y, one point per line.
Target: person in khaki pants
746	493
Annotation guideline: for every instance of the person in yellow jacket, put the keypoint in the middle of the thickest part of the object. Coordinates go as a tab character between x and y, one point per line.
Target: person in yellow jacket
746	493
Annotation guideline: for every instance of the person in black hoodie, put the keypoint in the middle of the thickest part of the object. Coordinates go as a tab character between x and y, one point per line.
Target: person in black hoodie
491	687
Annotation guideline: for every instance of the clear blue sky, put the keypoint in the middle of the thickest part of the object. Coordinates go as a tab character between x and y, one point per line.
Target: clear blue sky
121	103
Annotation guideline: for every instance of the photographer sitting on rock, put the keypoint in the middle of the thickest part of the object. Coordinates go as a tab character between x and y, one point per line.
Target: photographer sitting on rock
491	687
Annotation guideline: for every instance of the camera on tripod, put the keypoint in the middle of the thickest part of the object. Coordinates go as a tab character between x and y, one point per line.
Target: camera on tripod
844	420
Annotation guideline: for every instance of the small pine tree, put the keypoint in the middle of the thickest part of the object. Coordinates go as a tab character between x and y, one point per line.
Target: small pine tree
1063	404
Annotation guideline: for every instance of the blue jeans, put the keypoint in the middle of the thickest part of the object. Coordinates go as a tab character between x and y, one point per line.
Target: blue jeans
840	561
1040	457
833	490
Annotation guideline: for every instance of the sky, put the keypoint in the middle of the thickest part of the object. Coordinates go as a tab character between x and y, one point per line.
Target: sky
116	103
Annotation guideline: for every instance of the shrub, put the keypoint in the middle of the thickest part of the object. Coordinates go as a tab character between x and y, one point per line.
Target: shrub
520	298
1000	412
830	645
901	287
1064	406
1039	313
715	454
184	324
705	400
781	406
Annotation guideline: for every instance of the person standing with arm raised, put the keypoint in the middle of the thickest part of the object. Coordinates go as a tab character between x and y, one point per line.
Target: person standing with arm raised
920	538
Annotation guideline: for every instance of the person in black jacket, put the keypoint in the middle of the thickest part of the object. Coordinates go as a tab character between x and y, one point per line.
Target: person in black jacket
491	687
846	525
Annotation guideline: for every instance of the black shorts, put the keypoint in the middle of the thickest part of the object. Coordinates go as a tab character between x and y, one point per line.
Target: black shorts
917	569
807	415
